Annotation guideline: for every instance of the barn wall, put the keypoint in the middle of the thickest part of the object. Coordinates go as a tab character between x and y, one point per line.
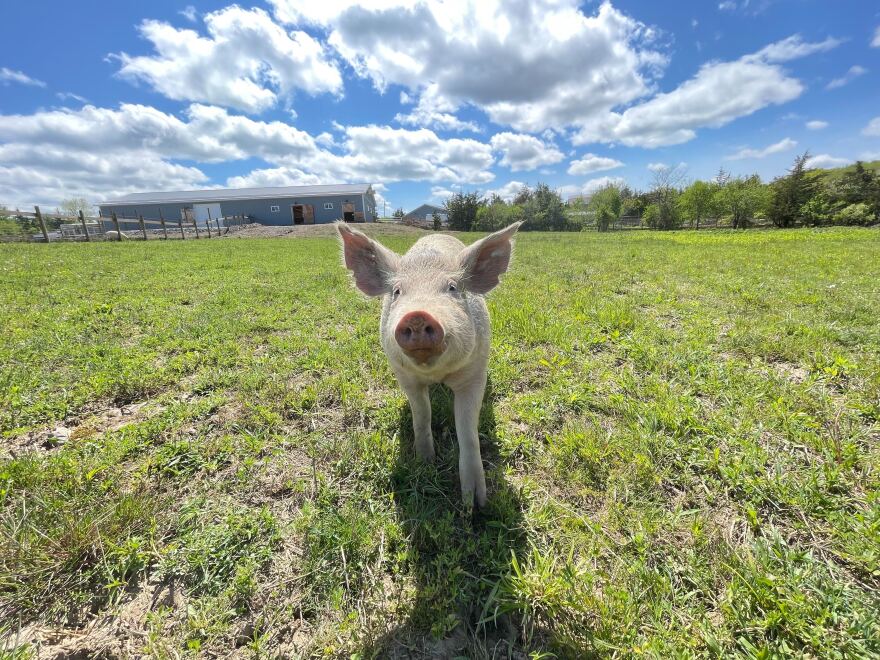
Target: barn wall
258	209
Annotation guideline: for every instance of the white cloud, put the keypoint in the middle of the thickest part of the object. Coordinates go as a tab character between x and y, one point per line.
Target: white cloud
65	150
727	5
827	161
189	13
247	61
816	125
873	128
11	76
551	64
440	194
276	176
64	96
706	99
433	111
783	145
656	167
590	163
524	152
792	48
588	188
508	191
853	73
875	42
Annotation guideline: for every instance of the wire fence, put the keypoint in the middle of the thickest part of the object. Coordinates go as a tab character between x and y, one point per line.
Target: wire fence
40	227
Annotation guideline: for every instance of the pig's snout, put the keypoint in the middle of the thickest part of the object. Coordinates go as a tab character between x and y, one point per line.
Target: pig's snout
420	336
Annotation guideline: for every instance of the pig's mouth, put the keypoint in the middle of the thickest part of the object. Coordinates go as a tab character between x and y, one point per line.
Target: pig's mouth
424	356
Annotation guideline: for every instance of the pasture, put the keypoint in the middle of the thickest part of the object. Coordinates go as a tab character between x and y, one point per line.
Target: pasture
205	454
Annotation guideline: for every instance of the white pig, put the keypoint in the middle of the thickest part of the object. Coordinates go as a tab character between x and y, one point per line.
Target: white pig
435	327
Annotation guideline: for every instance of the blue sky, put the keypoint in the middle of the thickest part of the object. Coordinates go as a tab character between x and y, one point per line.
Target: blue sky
427	97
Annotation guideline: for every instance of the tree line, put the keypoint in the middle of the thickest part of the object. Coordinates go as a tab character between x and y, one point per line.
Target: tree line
801	197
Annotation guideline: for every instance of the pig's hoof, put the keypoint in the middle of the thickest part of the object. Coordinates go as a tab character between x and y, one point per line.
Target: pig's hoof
477	496
425	453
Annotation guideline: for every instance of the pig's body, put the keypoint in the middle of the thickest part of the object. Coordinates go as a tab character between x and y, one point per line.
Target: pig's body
435	328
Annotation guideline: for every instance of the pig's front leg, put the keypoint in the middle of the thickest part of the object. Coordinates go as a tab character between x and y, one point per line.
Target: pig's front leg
420	405
468	399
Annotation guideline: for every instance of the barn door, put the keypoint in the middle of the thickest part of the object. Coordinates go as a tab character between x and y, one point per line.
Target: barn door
348	212
309	214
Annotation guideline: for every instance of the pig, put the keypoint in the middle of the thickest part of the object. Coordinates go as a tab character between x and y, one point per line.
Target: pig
434	328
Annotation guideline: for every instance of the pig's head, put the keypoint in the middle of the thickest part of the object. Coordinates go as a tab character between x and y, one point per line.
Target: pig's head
428	321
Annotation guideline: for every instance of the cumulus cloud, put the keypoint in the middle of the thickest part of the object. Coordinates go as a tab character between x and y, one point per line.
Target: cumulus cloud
433	111
826	161
552	64
816	125
590	163
853	73
440	194
524	152
508	191
12	76
705	100
783	145
87	141
588	188
873	128
875	42
246	61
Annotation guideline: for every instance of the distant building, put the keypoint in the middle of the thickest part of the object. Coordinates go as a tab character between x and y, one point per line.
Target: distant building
287	205
426	212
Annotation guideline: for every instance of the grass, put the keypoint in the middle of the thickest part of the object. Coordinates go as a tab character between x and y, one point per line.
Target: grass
680	433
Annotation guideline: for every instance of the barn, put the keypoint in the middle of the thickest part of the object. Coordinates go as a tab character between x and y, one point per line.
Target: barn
287	205
425	213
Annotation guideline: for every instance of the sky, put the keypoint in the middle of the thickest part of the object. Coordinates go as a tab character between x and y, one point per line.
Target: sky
423	98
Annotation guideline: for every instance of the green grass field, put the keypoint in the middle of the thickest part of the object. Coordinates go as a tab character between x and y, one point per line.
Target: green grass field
205	453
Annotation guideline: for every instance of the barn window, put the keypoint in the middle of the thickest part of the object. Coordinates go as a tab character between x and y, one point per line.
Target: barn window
328	205
274	208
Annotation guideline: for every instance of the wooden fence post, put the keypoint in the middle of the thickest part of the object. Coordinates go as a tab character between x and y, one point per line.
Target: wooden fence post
196	225
143	227
180	226
42	223
162	220
208	223
82	220
116	225
217	220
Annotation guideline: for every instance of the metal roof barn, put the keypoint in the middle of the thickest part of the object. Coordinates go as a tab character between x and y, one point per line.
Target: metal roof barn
284	205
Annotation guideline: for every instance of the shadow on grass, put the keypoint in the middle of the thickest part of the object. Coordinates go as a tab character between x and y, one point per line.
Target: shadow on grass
457	561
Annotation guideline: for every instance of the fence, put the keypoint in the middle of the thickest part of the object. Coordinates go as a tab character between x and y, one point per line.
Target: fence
83	228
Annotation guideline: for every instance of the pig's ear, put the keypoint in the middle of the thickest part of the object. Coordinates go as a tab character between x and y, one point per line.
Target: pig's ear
486	260
371	263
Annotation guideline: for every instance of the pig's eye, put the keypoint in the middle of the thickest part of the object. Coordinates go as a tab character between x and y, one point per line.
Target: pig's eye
395	293
452	287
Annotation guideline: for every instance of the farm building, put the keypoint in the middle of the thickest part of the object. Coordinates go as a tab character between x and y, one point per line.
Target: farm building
426	212
288	205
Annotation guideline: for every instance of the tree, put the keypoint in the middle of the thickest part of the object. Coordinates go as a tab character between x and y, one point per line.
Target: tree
71	207
665	189
523	197
742	199
860	186
606	204
791	192
497	215
544	210
696	201
461	209
398	214
436	219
